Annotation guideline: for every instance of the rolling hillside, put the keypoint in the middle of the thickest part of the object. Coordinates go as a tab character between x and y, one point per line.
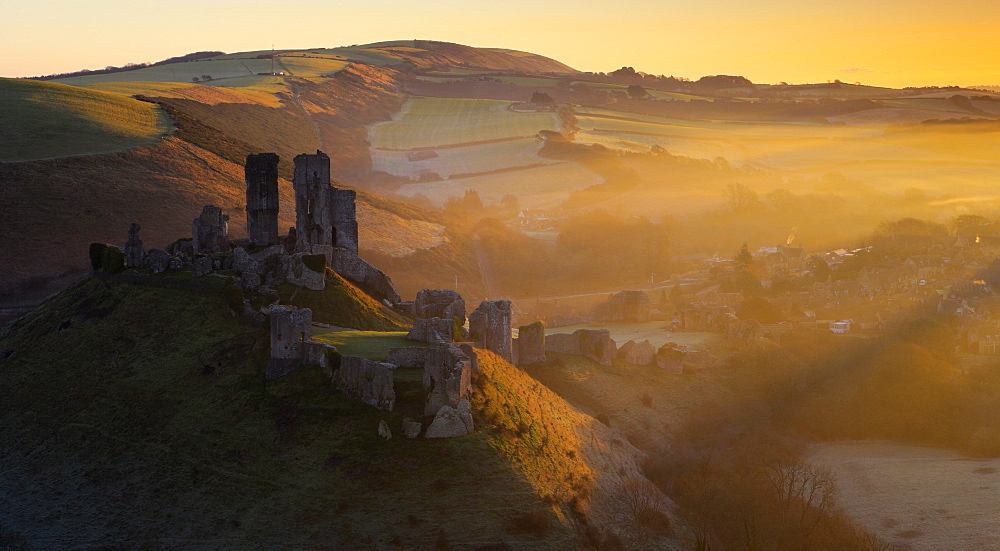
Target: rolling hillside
43	120
206	454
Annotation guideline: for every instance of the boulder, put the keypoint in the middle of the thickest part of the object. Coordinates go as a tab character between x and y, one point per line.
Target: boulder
432	330
411	428
464	411
531	343
670	359
447	424
383	430
637	353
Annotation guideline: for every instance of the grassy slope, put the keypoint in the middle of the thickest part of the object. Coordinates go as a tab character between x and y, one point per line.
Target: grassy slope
344	305
157	406
43	120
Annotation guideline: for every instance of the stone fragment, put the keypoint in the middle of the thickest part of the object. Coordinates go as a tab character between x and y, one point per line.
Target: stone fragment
670	359
411	428
297	273
135	255
595	344
159	261
210	231
447	377
531	343
383	430
490	325
464	411
637	353
432	330
439	303
202	266
447	424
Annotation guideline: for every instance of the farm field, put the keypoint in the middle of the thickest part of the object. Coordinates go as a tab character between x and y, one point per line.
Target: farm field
450	161
43	120
181	72
538	187
659	94
434	122
924	499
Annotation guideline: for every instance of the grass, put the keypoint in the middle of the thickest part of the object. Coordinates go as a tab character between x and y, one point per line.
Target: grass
544	186
181	72
157	405
655	332
466	160
43	120
433	122
373	345
308	66
344	305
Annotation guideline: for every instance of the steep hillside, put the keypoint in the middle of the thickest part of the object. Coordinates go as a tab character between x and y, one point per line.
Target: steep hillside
43	120
157	406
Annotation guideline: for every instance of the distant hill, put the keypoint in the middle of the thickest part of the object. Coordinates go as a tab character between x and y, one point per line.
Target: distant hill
43	120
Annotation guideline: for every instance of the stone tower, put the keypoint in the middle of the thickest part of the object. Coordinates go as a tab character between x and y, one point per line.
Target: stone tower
210	231
261	173
325	217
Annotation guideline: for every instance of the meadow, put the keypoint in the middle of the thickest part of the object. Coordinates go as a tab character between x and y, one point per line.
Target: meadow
434	122
43	120
451	161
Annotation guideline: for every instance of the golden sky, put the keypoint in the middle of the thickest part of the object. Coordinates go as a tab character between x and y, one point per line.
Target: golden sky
882	42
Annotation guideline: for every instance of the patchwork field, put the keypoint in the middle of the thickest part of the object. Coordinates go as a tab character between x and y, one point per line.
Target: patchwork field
43	120
434	122
923	499
540	187
451	161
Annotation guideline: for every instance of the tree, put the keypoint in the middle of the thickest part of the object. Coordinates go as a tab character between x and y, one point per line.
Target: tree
760	309
637	92
743	259
819	268
742	199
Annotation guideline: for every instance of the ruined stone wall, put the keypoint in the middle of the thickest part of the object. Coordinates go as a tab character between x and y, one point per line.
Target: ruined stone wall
345	219
595	344
367	380
313	213
530	343
210	231
447	377
291	328
261	176
408	356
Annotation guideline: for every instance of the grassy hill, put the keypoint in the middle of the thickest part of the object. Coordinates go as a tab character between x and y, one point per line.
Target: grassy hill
43	120
157	405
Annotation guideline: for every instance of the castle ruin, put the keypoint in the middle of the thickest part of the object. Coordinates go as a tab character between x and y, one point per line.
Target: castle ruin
325	216
261	174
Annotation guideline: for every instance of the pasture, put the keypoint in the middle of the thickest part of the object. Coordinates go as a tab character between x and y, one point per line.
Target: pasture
42	120
182	72
924	499
447	162
435	122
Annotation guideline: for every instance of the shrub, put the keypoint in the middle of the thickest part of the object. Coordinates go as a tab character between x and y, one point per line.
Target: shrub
97	255
113	260
315	262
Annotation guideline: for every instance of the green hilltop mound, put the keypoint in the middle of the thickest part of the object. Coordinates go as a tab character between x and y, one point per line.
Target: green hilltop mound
152	400
342	304
43	120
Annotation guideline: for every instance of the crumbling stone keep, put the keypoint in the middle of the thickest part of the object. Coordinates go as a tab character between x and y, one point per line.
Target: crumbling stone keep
432	330
210	231
490	325
531	343
447	377
325	217
261	174
135	255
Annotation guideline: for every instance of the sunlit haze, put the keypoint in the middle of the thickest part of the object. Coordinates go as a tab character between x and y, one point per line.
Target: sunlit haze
889	43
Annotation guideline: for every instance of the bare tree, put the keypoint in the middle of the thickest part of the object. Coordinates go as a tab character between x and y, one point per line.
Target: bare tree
741	198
